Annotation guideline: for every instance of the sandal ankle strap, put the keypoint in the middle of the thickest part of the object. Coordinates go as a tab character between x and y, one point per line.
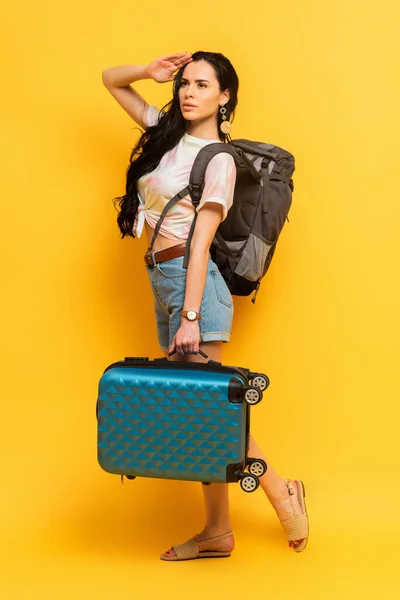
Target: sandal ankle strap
216	538
289	485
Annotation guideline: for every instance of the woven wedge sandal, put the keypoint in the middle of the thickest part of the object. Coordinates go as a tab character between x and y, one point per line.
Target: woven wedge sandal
191	549
297	527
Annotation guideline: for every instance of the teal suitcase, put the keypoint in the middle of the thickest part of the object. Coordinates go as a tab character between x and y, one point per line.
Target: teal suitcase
178	420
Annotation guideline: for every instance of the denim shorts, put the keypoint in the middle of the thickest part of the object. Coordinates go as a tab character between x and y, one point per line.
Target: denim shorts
168	281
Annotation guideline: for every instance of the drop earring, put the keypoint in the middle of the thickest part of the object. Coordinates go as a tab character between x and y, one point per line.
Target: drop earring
225	126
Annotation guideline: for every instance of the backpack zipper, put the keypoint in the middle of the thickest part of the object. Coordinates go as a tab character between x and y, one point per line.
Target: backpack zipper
256	292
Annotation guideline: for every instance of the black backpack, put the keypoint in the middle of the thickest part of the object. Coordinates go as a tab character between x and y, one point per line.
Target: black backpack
245	241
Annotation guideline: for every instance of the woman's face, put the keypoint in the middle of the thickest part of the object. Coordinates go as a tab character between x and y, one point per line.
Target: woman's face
200	87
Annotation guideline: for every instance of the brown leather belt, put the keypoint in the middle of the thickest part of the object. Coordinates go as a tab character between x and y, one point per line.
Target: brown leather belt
152	258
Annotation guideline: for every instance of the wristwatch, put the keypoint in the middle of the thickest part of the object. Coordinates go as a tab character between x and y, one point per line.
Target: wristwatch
191	315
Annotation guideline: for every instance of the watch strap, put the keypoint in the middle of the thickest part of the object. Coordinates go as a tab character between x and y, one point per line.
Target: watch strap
185	312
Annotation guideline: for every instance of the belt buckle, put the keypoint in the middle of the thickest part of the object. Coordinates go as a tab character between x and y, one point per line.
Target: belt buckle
148	256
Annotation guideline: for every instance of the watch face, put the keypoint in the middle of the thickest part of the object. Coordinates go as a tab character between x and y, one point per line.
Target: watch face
191	315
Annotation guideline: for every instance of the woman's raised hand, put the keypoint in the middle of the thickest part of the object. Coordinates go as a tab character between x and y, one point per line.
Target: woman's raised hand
163	69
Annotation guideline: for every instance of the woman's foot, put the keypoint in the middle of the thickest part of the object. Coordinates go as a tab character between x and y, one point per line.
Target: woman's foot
286	505
225	545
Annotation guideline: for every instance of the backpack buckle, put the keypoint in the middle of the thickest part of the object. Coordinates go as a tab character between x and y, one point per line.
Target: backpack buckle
197	188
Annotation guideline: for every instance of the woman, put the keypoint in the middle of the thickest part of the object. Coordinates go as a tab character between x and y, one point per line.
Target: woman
193	307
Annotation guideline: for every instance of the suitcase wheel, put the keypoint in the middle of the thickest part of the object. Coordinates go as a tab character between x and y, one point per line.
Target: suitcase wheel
249	482
257	466
260	380
252	395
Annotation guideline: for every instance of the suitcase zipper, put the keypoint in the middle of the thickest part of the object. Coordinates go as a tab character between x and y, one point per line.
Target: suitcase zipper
176	365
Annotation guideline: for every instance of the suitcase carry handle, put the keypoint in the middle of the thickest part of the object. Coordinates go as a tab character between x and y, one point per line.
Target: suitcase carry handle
199	352
211	362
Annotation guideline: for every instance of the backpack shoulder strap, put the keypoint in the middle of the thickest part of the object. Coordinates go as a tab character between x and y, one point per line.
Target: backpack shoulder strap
203	157
196	182
171	203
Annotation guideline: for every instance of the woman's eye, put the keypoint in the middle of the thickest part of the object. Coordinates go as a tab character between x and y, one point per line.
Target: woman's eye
200	84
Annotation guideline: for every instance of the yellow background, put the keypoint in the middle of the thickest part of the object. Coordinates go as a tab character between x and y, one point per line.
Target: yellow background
318	78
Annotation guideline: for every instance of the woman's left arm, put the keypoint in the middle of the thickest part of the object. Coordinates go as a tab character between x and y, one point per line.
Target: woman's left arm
187	338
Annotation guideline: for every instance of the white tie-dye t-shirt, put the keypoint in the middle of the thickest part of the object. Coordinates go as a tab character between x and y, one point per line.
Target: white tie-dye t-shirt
171	176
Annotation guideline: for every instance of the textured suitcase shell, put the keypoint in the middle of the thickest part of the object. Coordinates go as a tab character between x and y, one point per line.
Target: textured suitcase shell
171	421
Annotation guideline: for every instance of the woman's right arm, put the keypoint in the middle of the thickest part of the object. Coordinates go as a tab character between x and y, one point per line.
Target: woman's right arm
118	79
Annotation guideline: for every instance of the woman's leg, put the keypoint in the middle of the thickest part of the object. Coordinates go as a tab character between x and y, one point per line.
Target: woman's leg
216	495
275	488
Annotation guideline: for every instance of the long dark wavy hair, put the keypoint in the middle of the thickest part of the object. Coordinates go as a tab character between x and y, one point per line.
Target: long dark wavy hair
155	141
